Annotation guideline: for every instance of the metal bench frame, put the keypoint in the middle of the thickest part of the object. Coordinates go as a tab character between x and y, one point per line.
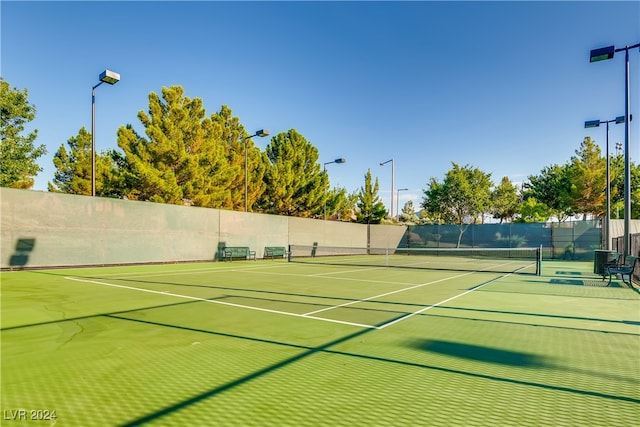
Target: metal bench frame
626	268
231	252
275	251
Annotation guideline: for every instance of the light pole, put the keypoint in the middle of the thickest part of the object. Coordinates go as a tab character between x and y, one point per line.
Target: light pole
324	169
392	175
111	78
398	200
261	133
607	218
600	55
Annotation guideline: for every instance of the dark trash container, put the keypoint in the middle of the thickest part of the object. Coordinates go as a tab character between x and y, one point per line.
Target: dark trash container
601	257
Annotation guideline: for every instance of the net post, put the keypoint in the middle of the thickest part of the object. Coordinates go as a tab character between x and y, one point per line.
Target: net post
539	261
289	254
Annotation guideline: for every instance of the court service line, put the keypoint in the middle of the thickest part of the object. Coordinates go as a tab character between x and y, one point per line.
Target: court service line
286	313
422	310
350	279
143	274
389	293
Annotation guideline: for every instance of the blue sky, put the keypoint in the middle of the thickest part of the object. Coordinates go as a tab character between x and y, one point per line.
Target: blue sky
501	86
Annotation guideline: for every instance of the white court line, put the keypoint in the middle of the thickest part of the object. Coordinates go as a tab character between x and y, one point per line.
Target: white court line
389	293
349	279
422	310
221	302
191	271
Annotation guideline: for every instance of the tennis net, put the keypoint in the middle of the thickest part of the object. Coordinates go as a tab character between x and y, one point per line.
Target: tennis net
499	260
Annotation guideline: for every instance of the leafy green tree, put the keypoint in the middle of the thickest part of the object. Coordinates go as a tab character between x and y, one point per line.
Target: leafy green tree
461	199
589	179
554	188
617	188
183	159
504	200
371	210
533	211
18	154
295	184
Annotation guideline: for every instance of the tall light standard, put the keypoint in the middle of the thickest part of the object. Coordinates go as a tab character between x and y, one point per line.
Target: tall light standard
392	175
600	55
261	133
398	200
324	169
111	78
607	218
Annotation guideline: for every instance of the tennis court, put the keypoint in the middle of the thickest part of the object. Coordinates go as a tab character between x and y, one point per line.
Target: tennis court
271	342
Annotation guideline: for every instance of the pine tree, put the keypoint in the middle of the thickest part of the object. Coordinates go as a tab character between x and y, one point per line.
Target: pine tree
235	139
184	160
295	185
371	210
73	169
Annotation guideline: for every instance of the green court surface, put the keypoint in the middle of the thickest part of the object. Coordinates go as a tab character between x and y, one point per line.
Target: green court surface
272	343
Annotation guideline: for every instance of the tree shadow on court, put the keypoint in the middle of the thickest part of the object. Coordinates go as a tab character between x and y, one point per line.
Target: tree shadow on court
542	315
504	357
486	354
481	353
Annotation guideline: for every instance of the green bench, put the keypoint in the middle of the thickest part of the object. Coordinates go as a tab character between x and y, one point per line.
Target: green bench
242	252
274	252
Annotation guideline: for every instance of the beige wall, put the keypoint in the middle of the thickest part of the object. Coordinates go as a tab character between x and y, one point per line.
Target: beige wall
41	229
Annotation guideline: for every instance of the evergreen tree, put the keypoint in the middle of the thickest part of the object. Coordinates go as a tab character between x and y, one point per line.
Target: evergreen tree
235	139
183	161
371	210
295	185
408	214
18	154
73	169
341	205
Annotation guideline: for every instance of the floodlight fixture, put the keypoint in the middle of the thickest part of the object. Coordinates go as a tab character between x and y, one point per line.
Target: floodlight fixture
602	54
110	77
